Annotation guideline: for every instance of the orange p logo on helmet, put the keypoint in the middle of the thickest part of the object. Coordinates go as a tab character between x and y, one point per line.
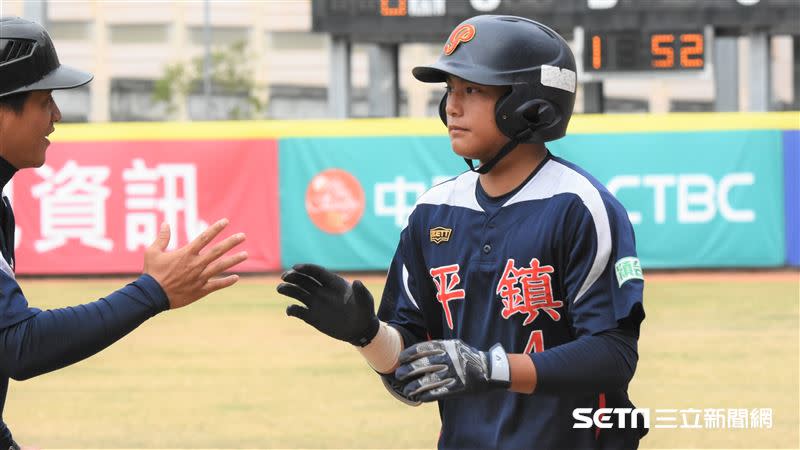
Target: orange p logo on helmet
463	33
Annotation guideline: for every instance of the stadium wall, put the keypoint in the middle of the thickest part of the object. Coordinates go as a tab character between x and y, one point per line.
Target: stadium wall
702	190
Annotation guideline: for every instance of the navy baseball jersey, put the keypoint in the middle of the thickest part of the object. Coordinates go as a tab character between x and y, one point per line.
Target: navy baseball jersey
552	261
33	342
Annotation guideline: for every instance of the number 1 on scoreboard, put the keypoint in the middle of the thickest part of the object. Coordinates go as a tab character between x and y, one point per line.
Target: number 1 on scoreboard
597	53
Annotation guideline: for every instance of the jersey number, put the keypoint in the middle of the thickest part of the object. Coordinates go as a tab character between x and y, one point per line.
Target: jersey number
535	342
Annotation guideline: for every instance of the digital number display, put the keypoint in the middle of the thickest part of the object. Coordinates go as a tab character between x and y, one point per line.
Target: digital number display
400	8
633	51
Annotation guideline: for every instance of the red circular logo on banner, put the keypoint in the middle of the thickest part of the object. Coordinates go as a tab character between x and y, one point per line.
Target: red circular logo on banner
335	201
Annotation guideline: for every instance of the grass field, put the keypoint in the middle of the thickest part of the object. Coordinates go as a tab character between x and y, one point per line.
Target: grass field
234	372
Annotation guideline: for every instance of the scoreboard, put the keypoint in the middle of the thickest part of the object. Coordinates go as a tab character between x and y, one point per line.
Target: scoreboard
618	35
638	51
428	20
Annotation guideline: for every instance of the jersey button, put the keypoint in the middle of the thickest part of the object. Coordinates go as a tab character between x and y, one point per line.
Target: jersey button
491	225
487	248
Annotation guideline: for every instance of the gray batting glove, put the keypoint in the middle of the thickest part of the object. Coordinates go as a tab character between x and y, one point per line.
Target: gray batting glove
395	388
436	370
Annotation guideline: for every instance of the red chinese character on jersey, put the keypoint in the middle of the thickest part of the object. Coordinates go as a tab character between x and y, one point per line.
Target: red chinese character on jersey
527	291
446	278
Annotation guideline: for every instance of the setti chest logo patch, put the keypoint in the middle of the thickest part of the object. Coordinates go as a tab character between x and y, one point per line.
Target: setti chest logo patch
440	234
464	33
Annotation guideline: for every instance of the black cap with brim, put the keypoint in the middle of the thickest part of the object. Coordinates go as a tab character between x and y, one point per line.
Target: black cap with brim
440	70
63	77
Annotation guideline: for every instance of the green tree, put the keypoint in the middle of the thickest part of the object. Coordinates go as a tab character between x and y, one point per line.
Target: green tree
231	75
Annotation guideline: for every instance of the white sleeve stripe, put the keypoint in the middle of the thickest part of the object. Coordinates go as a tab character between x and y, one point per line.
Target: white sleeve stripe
555	178
405	286
603	232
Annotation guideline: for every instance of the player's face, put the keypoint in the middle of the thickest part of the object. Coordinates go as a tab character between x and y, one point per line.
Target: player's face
470	119
23	136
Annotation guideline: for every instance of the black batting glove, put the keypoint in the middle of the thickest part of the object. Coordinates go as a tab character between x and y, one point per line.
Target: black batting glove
436	370
333	306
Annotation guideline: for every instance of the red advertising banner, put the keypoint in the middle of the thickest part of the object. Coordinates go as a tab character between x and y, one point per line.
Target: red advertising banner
94	207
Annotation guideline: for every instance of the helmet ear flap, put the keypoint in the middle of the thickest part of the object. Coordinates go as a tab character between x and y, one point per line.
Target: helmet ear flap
532	117
539	113
442	109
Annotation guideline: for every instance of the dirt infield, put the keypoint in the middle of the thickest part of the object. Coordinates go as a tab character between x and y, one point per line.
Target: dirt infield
234	372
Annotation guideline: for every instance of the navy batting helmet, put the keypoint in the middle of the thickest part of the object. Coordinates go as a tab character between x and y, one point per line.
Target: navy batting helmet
528	57
28	60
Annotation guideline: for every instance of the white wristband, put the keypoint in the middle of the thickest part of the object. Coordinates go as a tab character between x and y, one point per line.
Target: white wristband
384	350
498	360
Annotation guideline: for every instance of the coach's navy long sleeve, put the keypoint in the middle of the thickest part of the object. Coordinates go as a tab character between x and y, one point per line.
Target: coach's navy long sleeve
49	340
52	339
56	338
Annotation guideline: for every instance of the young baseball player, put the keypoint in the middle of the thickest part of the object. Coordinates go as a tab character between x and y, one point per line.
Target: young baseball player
33	342
515	294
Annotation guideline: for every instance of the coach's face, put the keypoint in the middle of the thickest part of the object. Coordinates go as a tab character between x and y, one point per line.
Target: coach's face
471	122
23	135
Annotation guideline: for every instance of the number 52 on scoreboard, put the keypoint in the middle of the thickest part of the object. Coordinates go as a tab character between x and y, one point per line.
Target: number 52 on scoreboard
645	51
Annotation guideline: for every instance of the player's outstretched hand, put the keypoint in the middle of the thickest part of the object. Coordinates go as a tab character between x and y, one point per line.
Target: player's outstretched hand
435	370
188	274
333	306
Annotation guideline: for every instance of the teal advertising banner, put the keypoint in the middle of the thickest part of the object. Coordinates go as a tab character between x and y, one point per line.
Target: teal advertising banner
345	200
696	199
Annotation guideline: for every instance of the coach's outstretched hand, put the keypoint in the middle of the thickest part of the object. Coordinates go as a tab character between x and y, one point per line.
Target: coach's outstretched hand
333	306
434	370
187	275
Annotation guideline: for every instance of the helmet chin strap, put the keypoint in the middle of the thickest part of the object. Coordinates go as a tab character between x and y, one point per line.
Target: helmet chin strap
504	150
